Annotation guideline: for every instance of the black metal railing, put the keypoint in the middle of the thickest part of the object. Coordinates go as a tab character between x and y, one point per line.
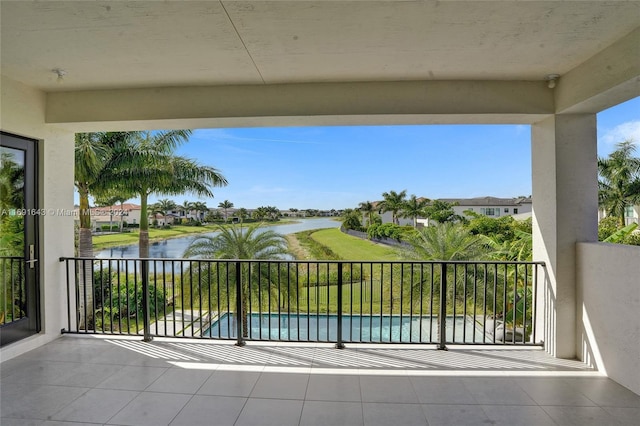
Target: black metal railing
13	297
441	303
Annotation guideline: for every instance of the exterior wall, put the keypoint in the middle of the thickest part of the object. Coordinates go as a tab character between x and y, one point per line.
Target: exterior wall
23	114
386	218
523	208
628	220
608	329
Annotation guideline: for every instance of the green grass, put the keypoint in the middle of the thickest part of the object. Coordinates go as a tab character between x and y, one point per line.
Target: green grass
348	247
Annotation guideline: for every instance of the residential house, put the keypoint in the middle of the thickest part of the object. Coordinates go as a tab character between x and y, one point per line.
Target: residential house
112	215
631	214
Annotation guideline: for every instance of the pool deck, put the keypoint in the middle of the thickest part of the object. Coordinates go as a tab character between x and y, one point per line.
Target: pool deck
124	381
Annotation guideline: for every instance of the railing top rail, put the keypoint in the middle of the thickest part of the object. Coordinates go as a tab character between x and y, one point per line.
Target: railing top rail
386	262
11	257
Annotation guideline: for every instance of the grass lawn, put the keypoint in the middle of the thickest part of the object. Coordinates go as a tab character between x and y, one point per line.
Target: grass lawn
348	247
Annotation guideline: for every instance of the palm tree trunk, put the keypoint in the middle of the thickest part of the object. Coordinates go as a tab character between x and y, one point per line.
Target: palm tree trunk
85	249
144	227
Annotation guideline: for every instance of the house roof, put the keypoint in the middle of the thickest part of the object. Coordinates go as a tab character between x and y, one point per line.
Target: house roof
488	201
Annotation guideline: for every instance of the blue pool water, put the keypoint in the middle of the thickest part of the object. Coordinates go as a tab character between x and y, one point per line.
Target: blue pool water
355	328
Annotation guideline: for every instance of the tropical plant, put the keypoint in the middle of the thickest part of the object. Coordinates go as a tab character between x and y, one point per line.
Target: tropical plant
351	219
201	209
446	241
93	153
441	212
385	230
621	234
238	242
393	202
619	183
147	165
242	214
225	206
414	208
186	207
164	206
368	210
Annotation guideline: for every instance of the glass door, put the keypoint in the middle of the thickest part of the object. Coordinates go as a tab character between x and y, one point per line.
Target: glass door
19	214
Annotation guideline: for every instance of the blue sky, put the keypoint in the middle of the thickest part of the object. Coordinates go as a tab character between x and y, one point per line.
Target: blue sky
338	167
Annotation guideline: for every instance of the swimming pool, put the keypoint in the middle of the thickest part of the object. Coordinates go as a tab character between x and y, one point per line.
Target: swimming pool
355	328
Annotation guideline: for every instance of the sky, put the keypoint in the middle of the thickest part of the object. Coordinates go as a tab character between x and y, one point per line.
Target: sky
339	167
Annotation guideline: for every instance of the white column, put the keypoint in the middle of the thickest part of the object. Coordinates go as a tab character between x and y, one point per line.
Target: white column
565	204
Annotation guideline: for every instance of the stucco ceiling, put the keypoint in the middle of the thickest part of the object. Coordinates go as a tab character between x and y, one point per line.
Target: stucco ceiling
124	44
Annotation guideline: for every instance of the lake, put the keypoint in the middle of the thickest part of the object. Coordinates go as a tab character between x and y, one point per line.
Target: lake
174	247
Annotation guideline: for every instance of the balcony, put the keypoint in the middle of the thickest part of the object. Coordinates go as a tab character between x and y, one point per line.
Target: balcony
189	362
272	73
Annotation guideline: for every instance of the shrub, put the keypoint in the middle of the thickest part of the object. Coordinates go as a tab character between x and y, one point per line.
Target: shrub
386	230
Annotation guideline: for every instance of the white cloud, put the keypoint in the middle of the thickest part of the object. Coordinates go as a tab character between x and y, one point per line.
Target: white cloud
622	132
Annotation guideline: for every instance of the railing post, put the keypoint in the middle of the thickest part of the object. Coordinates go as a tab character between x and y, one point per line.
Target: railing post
239	311
339	344
442	316
146	315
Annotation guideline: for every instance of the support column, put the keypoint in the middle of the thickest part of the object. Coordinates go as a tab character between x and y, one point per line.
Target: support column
565	204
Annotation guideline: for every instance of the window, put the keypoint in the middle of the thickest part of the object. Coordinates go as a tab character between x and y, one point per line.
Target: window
506	209
628	211
490	211
515	211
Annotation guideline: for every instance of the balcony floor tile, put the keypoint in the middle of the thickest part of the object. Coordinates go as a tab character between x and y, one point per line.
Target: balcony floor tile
124	381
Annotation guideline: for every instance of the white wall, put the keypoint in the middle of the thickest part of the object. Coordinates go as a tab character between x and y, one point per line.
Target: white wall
565	202
608	302
23	114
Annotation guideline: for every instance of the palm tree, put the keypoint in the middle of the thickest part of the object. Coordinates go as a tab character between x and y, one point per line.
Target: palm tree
92	153
393	202
147	165
619	183
446	241
201	208
164	206
225	206
368	210
242	214
414	207
272	212
186	207
236	242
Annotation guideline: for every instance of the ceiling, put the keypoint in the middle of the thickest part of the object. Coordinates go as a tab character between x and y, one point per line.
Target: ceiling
126	44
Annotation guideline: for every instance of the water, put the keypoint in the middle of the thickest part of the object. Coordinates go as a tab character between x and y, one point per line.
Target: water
355	328
174	248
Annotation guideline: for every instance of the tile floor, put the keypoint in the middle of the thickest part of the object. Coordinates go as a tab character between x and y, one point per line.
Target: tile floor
80	380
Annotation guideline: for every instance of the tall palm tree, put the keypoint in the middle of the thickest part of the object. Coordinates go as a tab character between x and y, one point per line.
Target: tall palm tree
225	206
243	214
186	207
414	207
393	202
201	208
619	183
236	242
164	206
368	210
93	151
147	165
